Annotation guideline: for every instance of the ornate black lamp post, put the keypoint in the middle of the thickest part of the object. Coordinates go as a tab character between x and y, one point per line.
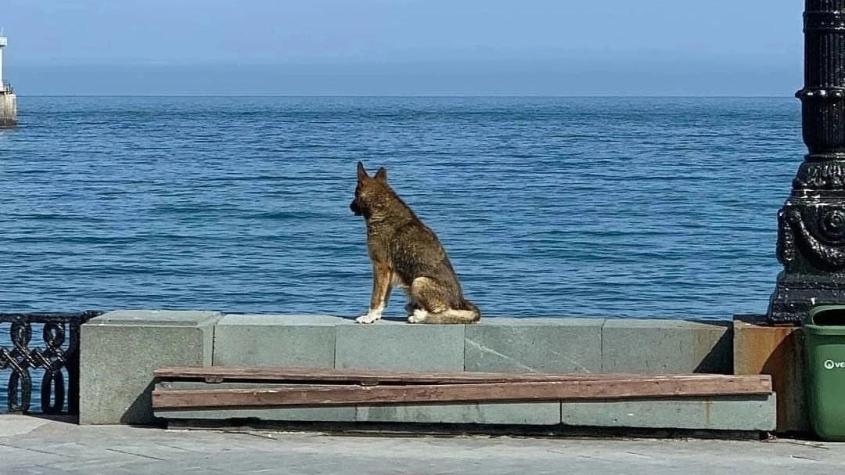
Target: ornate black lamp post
811	236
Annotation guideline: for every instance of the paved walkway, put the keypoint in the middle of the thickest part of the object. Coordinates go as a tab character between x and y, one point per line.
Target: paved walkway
30	445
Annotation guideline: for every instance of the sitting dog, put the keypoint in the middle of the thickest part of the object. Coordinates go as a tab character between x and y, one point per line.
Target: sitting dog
406	253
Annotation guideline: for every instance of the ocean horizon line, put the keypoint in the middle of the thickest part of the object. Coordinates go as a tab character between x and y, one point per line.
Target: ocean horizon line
423	96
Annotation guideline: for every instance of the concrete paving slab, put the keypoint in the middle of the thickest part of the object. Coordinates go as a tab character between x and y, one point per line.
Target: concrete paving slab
57	448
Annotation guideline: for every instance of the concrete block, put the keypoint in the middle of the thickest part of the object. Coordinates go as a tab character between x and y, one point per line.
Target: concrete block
542	413
666	347
391	345
541	345
724	413
306	341
760	348
119	352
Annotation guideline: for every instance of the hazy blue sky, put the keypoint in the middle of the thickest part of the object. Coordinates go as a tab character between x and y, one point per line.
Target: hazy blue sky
396	47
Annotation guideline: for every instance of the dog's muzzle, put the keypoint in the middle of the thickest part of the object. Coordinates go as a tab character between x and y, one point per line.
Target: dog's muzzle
355	208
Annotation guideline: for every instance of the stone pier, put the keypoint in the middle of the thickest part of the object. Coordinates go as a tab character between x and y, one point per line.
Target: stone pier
8	109
8	99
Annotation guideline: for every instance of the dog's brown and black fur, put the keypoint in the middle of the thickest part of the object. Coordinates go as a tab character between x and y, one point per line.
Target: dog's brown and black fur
406	253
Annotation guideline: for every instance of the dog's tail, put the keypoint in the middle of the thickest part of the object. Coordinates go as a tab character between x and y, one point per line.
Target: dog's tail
469	313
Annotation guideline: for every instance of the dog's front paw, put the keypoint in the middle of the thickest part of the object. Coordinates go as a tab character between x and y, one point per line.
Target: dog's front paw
368	318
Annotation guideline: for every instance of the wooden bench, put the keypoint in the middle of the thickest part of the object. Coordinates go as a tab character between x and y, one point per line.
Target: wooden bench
255	388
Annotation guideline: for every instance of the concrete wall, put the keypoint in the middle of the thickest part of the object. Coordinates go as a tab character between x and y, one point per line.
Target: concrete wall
564	345
120	350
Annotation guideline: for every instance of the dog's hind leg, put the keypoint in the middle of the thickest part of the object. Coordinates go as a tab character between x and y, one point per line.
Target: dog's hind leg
433	305
427	298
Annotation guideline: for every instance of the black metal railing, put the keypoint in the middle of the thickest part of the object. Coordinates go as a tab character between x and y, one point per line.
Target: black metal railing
56	354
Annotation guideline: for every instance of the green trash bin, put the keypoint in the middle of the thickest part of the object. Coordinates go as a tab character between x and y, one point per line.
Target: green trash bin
825	341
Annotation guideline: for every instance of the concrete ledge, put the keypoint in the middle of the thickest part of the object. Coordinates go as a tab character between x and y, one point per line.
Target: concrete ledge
717	414
496	344
121	349
119	352
744	414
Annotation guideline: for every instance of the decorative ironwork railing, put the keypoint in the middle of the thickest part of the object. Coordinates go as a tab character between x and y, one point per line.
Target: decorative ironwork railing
56	354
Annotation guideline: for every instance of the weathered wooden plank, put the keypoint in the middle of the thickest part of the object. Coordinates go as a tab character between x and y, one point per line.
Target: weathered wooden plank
219	373
322	395
354	376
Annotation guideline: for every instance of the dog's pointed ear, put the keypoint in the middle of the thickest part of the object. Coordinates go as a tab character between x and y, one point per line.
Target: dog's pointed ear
362	172
381	175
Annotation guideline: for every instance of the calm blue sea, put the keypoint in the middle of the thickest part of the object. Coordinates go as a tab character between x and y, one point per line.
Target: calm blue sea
627	207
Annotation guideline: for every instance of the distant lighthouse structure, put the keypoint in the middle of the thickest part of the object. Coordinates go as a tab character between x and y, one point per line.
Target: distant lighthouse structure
8	99
3	42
